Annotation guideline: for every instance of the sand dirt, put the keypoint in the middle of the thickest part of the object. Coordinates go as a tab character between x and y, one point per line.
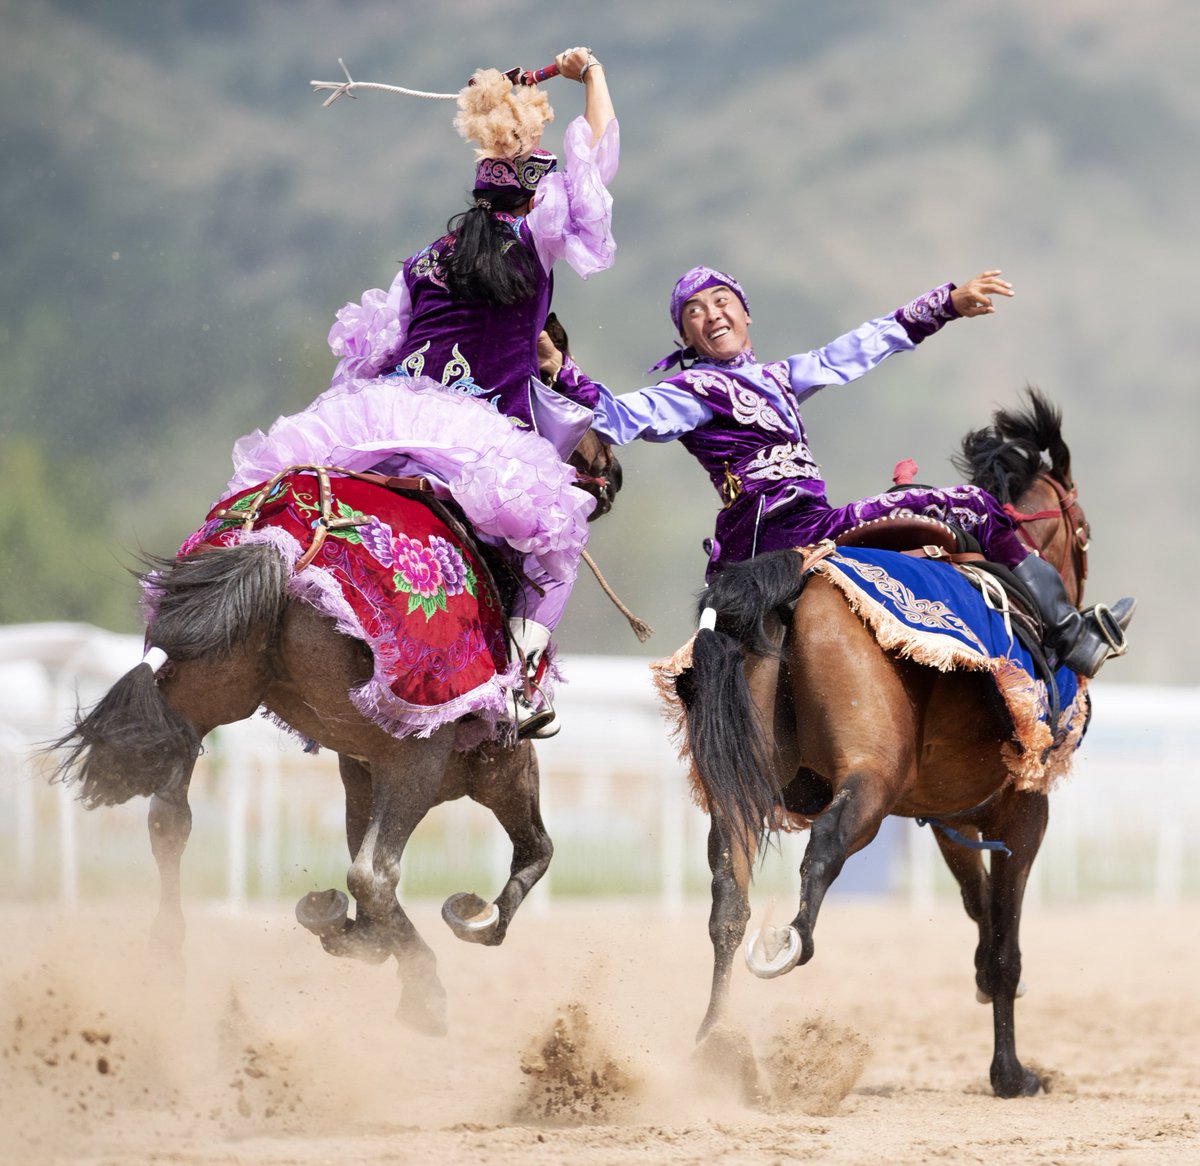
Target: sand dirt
574	1043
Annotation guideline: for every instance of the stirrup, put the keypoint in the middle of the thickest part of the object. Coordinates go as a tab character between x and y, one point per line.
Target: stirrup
1111	625
536	724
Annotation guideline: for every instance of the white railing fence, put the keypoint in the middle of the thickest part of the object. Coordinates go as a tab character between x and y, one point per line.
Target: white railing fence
268	817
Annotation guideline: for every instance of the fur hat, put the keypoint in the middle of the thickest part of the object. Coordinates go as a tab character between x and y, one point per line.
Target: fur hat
503	120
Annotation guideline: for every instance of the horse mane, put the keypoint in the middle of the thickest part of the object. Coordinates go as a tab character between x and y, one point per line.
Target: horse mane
1005	457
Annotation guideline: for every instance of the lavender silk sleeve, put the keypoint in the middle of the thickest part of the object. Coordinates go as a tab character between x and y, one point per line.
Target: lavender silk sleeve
572	214
848	357
658	413
365	335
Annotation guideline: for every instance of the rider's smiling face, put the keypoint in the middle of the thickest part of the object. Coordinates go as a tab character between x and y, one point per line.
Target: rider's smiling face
715	323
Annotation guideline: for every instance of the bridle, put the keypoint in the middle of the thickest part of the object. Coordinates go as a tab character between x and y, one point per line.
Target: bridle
1073	519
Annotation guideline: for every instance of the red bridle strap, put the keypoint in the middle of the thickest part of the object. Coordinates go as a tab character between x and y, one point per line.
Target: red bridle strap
1067	505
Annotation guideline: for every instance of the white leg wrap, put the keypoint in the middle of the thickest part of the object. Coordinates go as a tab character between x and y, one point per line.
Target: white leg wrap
530	637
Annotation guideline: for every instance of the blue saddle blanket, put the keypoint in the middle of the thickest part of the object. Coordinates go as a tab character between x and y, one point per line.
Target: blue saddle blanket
926	610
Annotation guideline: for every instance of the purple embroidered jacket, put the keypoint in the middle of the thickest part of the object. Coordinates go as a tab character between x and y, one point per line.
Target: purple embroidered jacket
480	349
741	420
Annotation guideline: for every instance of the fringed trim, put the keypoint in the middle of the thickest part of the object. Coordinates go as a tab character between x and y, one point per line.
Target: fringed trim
1058	760
929	648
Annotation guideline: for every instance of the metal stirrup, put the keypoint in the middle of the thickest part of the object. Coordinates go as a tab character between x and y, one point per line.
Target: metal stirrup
1112	631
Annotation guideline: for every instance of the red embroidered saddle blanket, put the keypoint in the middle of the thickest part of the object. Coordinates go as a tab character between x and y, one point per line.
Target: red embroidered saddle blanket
393	574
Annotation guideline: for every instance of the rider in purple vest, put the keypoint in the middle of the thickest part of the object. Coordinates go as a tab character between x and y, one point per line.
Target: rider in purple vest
741	420
439	375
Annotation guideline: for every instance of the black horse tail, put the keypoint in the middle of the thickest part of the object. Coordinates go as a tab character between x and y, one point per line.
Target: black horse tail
730	746
132	743
210	602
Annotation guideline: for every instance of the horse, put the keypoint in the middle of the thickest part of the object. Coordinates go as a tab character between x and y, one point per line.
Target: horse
795	717
239	638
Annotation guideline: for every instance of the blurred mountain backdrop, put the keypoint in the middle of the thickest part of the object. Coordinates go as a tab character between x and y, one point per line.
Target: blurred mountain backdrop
180	219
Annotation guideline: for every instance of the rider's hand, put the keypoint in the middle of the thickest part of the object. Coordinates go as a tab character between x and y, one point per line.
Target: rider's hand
570	63
973	298
550	360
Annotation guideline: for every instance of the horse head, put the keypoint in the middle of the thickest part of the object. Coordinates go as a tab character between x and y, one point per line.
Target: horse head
1050	521
599	471
1023	461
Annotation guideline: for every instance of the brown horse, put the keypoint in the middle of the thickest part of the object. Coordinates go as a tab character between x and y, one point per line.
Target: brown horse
795	717
237	641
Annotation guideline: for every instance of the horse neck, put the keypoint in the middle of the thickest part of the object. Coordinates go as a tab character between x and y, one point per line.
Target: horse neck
1052	536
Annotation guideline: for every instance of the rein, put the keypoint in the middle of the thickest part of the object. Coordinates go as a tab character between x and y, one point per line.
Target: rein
1073	519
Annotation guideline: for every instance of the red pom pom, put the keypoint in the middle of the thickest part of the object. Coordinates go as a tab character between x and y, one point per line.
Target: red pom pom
905	472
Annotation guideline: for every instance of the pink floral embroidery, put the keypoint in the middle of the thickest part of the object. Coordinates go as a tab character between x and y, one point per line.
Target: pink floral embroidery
417	565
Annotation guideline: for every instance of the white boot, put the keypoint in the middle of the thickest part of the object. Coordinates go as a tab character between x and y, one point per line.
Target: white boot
533	713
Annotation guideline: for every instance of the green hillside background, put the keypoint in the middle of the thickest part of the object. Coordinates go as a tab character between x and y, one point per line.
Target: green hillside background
180	219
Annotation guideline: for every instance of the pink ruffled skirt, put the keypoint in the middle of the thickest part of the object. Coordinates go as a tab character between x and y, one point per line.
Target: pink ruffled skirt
510	483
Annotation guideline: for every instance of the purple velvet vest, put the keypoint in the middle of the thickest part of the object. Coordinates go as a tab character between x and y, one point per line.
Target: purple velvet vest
747	445
481	349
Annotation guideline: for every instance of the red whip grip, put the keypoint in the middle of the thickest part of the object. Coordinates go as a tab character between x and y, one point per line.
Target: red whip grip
533	76
519	76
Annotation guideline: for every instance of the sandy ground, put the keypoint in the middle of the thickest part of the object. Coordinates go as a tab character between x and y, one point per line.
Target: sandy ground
573	1043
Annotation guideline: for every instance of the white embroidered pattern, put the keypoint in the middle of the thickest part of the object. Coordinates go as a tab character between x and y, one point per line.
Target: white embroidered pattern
928	309
701	380
778	372
927	613
790	460
750	408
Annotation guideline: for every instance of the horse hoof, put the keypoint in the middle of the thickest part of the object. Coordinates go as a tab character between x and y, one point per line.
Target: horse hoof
426	1016
726	1061
470	918
1022	1084
323	913
773	951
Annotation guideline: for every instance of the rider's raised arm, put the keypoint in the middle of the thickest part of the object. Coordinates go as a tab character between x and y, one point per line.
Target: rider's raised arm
571	217
850	356
581	65
659	413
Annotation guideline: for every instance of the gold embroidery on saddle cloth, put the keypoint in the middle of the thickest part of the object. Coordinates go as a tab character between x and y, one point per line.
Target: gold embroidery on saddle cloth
925	613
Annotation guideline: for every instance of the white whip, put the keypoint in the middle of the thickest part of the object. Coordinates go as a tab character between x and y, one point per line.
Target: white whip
345	88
